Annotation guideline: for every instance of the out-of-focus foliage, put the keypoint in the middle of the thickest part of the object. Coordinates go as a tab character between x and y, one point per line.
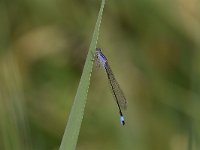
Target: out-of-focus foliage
152	47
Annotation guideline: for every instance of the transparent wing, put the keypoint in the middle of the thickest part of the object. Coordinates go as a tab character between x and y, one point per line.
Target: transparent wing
117	92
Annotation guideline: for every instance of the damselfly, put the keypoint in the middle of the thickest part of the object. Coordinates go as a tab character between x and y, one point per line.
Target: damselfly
116	90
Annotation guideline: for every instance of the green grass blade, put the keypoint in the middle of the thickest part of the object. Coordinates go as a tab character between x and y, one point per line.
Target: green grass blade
70	136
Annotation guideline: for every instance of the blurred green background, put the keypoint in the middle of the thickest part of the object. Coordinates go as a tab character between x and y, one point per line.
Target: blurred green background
153	49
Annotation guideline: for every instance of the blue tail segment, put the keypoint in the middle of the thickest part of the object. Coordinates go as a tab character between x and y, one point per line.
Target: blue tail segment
122	120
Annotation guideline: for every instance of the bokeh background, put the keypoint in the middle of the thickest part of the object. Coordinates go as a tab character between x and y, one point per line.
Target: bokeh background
153	49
